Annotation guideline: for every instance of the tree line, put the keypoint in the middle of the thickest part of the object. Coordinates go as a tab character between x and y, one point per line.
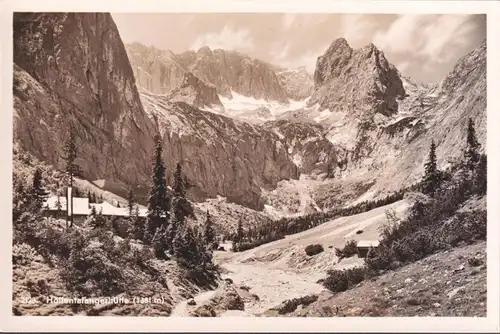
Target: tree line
244	239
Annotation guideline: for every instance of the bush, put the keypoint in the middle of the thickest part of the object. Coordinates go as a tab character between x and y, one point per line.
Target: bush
342	280
314	249
22	254
90	271
350	249
291	305
467	227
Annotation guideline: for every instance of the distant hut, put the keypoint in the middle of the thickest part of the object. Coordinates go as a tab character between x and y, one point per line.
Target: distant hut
364	247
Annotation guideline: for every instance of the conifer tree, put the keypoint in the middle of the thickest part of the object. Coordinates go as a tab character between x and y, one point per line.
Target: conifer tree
185	247
58	205
158	205
130	202
158	242
431	179
69	156
209	232
39	194
480	176
181	208
238	238
93	211
99	220
471	153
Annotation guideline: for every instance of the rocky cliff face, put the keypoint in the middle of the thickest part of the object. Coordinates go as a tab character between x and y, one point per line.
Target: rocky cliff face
393	149
308	147
297	82
157	71
160	71
219	155
195	92
358	82
71	69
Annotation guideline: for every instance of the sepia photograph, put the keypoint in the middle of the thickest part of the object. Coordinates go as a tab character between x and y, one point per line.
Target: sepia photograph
261	164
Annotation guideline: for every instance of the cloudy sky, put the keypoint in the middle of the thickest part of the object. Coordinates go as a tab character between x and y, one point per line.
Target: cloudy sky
423	47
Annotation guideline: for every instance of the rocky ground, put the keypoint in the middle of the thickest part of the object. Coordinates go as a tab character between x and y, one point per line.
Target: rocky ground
451	283
151	286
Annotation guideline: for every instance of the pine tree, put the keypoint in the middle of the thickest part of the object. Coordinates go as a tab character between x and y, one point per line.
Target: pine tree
93	211
185	247
39	194
89	196
431	179
158	242
180	206
99	220
480	176
471	153
158	205
58	205
209	232
178	186
130	202
69	156
238	238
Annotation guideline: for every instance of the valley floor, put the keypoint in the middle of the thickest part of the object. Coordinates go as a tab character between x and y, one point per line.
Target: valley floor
281	270
450	283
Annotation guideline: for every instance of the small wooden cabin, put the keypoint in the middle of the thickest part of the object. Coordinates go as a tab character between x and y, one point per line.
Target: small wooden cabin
365	245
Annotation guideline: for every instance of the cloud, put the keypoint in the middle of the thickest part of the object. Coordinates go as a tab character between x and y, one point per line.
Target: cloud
307	59
403	66
228	38
355	28
445	35
288	20
280	51
437	37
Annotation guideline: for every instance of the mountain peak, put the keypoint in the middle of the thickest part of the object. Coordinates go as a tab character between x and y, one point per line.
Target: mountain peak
205	50
195	92
363	77
340	43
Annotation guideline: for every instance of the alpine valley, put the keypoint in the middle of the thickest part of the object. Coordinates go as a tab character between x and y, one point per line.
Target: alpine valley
259	145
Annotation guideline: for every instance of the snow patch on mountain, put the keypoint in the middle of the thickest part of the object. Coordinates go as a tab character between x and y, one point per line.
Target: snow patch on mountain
254	110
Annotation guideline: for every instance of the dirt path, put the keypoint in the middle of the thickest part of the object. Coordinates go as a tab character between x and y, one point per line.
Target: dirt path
271	285
180	310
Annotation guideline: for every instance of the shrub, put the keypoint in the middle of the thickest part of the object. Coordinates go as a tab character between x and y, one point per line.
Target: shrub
291	305
90	271
342	280
22	254
465	227
314	249
350	249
